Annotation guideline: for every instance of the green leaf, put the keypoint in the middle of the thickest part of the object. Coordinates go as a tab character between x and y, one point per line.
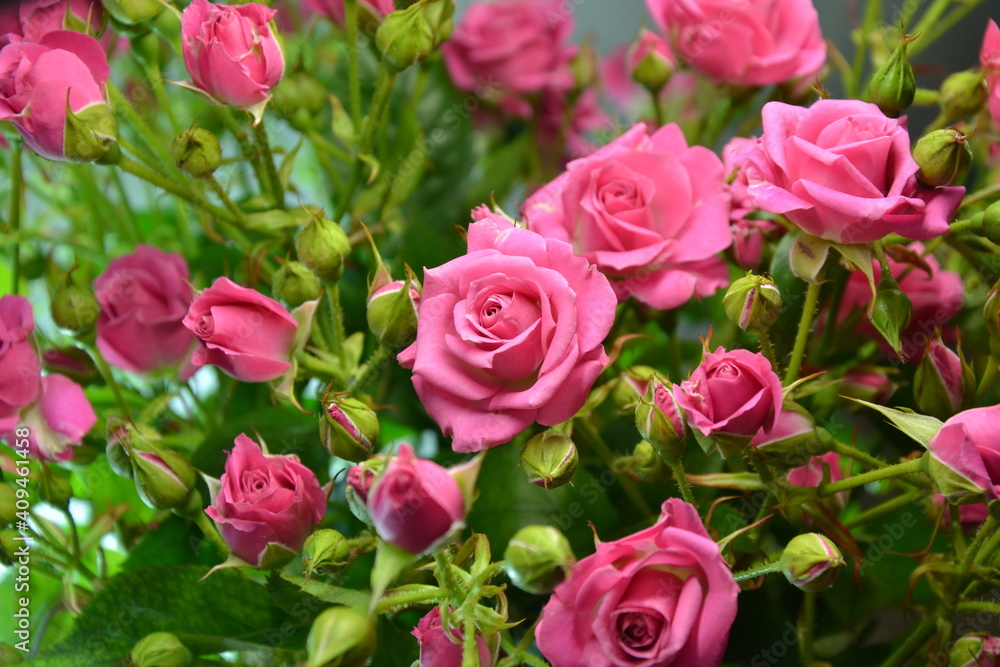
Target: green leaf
921	428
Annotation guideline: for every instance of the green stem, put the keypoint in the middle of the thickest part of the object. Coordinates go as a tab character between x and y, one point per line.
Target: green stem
981	194
447	577
148	136
353	60
74	533
917	638
372	367
941	27
661	116
264	149
887	507
826	342
987	380
14	213
872	20
109	378
767	347
984	532
757	571
155	78
246	147
211	533
391	602
972	606
682	482
802	337
174	188
324	146
336	321
315	365
807	630
853	452
989	549
593	436
888	472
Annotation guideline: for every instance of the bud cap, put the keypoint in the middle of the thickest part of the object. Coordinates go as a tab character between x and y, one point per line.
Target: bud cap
550	459
538	558
340	637
811	562
160	649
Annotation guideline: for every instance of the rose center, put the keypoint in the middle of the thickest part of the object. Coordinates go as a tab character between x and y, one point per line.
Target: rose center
506	315
637	630
726	370
205	326
254	482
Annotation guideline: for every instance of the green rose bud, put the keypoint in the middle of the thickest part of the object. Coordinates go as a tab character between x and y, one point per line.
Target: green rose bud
944	383
944	157
73	304
8	504
90	134
963	94
891	312
340	637
54	489
811	562
975	650
584	66
160	649
299	98
753	302
348	428
392	311
537	559
326	550
197	152
322	246
295	284
894	85
408	36
648	63
163	478
648	465
550	459
131	12
660	420
629	387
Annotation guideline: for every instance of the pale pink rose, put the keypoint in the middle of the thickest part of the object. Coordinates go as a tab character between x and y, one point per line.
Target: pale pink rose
989	57
509	50
731	393
20	371
231	51
144	297
40	17
650	212
38	81
246	334
509	334
756	43
967	445
438	650
842	170
264	500
334	9
415	504
661	597
57	421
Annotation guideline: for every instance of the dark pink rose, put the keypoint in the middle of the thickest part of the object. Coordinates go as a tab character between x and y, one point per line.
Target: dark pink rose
415	504
265	500
989	57
20	371
57	421
842	170
246	334
970	516
508	50
40	17
663	597
937	297
649	211
755	43
438	650
967	445
144	297
508	335
334	9
731	393
38	81
231	51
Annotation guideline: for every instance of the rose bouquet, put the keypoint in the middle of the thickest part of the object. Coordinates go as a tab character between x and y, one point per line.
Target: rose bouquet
361	332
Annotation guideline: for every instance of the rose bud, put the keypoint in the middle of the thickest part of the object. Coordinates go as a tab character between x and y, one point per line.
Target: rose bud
416	504
549	459
811	562
891	312
867	383
893	86
629	387
944	383
341	637
300	99
8	504
369	11
247	335
585	66
160	649
753	302
360	479
295	284
72	362
40	17
57	421
963	94
392	311
54	489
163	478
660	419
965	457
538	558
944	157
648	465
817	470
407	36
793	432
650	61
265	505
986	223
197	152
979	649
326	550
444	649
348	428
73	305
322	246
132	12
60	79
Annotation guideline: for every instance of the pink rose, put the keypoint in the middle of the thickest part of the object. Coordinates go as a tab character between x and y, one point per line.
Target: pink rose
661	597
508	335
649	211
57	421
936	296
867	383
811	474
144	297
744	43
20	371
842	170
989	56
38	81
749	234
415	504
334	9
731	393
246	334
40	17
265	501
438	650
231	51
967	446
506	51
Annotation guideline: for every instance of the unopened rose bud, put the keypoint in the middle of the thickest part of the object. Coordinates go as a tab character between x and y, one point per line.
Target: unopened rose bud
131	12
550	459
360	480
753	302
867	383
392	312
629	387
944	157
649	61
54	489
90	133
8	504
944	383
74	306
340	637
893	86
538	558
408	36
585	66
975	650
963	94
660	420
348	428
160	649
72	362
197	152
793	433
326	550
163	478
891	312
299	98
648	465
811	562
322	246
295	284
